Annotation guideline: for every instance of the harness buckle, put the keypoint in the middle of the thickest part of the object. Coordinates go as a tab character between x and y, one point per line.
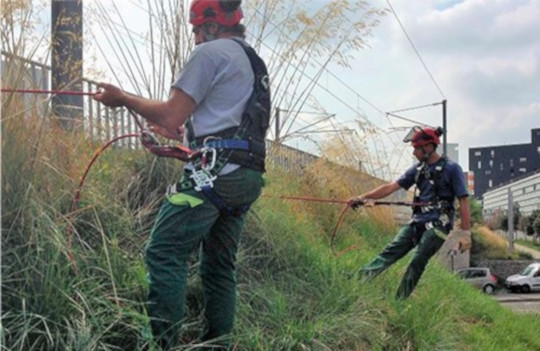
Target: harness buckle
171	190
203	179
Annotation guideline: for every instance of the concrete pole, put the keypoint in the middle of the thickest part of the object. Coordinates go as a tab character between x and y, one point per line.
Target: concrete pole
277	125
445	131
510	221
67	59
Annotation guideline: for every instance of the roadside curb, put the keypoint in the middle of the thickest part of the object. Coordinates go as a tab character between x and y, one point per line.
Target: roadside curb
525	299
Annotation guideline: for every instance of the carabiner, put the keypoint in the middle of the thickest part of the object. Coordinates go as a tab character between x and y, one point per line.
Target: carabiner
207	166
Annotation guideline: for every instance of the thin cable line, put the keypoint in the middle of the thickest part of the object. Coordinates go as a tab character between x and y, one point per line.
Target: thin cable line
405	119
415	50
416	107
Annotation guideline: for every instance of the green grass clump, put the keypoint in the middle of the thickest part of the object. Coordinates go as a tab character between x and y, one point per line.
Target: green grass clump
75	280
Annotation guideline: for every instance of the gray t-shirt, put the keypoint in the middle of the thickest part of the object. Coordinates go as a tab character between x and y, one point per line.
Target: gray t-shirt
218	76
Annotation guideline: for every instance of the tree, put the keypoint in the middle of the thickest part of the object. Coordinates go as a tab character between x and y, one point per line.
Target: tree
526	224
536	226
516	219
476	211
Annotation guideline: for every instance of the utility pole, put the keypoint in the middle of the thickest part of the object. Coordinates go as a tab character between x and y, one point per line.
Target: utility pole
445	135
277	125
67	59
510	221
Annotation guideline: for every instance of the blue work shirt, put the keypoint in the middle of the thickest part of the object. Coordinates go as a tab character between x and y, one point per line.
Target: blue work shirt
451	185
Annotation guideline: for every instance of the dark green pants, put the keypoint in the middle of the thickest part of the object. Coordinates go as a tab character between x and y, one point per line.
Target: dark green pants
427	243
178	231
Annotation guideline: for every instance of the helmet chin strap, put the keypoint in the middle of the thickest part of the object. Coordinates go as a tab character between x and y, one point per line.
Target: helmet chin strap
208	37
425	155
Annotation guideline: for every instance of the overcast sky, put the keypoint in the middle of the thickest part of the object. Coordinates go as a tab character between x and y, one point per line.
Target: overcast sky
484	55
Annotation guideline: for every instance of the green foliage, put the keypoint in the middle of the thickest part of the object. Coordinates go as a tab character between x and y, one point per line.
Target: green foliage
294	293
536	225
503	224
488	245
531	224
476	211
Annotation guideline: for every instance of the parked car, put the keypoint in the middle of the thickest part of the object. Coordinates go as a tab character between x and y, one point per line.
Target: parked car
526	281
480	277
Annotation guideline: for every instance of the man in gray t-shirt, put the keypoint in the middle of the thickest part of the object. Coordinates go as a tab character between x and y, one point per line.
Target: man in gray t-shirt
209	100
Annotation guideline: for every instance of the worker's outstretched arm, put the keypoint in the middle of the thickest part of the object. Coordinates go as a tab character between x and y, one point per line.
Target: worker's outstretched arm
377	193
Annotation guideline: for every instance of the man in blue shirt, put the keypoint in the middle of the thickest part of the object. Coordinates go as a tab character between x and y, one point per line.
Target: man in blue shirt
439	181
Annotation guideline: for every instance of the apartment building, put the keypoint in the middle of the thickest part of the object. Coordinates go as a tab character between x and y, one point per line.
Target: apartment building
493	166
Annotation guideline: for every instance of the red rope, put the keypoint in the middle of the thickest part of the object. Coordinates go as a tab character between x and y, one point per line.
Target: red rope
55	92
334	235
337	201
76	199
344	210
96	155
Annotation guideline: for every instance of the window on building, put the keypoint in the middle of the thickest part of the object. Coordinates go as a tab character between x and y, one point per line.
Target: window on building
478	153
492	153
538	149
490	183
479	165
502	166
511	162
490	163
523	170
488	172
523	159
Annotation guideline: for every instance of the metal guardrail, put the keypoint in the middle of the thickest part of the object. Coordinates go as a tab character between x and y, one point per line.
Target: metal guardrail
98	121
103	124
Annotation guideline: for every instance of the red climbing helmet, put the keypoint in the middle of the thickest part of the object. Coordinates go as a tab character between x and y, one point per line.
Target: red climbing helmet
228	13
419	136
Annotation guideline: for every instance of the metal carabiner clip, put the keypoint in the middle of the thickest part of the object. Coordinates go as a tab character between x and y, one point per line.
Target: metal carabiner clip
207	164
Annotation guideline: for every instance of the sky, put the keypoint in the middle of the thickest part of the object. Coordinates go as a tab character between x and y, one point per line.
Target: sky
482	56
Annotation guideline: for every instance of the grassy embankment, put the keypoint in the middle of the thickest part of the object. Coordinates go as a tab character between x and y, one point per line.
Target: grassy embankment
294	294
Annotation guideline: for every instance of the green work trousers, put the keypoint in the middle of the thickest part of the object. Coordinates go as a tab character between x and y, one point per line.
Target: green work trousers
427	243
182	228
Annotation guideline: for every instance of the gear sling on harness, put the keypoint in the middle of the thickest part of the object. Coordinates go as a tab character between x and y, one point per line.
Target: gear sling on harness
243	145
437	201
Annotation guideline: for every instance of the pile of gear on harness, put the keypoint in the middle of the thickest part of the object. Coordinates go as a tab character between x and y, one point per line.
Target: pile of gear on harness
243	145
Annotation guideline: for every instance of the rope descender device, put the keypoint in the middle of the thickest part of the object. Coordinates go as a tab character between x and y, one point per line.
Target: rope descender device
150	142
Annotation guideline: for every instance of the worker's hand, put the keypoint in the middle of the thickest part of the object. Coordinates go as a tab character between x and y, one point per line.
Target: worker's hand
181	131
109	95
464	241
177	134
358	201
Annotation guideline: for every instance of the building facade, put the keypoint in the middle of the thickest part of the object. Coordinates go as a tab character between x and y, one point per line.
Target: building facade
493	166
525	193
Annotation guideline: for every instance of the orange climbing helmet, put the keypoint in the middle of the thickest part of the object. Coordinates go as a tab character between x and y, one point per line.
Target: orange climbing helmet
227	13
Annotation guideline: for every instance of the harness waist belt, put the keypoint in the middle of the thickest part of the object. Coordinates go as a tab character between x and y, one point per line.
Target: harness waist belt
237	144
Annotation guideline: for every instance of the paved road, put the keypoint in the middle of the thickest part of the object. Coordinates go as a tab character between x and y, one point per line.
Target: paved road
518	302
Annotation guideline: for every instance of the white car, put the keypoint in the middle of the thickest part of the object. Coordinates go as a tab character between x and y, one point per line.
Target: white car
526	281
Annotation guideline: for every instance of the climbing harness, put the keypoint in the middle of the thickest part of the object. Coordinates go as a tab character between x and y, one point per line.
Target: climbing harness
437	202
243	145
